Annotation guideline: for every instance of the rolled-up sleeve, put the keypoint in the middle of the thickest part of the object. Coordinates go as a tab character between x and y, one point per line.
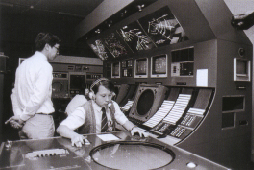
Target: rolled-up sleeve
75	119
119	115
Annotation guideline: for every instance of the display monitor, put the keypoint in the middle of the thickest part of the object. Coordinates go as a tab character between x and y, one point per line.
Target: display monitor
241	69
135	37
141	68
115	70
60	85
163	27
77	83
147	101
159	66
99	49
115	46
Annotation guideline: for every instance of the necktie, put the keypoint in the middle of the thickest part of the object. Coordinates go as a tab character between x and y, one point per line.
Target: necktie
104	121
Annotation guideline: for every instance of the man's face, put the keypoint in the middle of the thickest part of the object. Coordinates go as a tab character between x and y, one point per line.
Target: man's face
103	96
54	51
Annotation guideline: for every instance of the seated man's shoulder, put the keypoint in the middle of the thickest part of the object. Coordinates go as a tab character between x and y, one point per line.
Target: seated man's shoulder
77	101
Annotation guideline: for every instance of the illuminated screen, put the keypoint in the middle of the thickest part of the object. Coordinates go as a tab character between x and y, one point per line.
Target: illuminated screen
135	37
162	27
132	155
99	49
115	47
159	65
145	102
115	69
241	67
141	67
77	81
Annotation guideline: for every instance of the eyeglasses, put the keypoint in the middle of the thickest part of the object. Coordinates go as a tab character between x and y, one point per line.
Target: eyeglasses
57	48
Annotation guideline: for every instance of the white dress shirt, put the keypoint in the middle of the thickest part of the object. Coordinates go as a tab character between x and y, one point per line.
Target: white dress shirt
33	87
77	101
77	118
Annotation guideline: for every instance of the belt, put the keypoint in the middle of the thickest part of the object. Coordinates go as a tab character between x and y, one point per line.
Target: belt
45	113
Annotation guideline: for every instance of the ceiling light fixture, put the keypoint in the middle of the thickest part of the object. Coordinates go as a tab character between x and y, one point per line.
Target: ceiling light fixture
140	7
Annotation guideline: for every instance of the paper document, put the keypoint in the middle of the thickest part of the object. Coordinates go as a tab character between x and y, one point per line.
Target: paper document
108	137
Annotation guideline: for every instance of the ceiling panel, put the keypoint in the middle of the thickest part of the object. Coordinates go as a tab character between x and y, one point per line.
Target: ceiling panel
79	8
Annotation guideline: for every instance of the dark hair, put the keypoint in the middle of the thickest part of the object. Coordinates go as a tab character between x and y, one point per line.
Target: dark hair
45	38
104	82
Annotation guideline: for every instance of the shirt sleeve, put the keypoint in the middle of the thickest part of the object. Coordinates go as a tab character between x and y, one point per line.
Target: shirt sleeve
42	84
75	119
15	107
77	101
119	115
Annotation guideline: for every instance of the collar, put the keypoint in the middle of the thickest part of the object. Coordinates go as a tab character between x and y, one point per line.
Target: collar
98	108
40	55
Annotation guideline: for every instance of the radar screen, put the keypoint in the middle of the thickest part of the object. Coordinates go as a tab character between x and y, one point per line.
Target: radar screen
126	155
99	49
147	101
135	37
115	46
163	27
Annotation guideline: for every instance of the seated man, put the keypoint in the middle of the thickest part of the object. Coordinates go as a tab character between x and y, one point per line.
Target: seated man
90	118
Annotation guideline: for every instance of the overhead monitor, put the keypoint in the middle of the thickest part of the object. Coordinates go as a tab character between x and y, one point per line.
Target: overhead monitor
163	27
159	66
141	68
116	47
135	37
99	49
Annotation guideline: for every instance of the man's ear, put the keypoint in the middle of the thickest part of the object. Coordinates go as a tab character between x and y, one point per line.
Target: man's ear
91	95
47	46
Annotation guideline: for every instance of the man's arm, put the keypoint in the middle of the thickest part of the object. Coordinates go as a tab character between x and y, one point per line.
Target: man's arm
72	122
15	120
128	125
76	139
15	107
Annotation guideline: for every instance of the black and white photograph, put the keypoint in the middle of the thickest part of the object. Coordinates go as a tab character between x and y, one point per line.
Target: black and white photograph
126	84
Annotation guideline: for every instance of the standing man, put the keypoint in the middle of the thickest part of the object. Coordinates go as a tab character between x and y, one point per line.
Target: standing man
31	95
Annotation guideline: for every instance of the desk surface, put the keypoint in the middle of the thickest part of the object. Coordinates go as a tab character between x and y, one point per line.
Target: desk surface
129	151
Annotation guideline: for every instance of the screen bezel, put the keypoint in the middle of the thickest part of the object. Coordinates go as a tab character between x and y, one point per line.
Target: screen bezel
158	75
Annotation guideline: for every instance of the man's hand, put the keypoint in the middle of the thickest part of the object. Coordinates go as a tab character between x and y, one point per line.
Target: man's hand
15	122
141	133
77	140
